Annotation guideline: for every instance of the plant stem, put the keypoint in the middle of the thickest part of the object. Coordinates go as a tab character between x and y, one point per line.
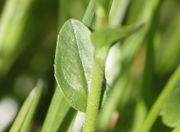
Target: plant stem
93	100
97	75
154	112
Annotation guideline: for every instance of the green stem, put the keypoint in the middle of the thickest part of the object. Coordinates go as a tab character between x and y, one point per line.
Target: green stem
154	112
97	75
93	100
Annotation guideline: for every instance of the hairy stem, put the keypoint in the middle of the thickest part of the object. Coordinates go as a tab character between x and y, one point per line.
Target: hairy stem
93	100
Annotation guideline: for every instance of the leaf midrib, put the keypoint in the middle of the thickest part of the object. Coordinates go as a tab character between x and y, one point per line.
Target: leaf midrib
79	54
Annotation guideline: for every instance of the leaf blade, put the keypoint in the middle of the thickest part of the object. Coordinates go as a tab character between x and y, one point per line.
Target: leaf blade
56	113
73	63
25	115
107	36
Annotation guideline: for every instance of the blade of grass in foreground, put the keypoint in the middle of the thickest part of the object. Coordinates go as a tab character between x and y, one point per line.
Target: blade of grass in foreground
24	118
155	110
170	112
68	121
56	113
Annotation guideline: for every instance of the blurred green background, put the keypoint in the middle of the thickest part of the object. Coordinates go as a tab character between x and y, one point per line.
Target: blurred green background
28	34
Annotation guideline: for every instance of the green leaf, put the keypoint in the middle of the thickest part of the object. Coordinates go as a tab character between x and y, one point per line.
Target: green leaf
73	63
171	110
105	37
24	118
56	113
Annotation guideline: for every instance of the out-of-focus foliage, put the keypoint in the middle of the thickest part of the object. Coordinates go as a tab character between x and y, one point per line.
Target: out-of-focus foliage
24	118
170	111
137	68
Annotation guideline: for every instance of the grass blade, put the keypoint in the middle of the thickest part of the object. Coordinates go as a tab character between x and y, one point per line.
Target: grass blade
171	110
155	110
68	121
117	12
56	113
24	118
12	23
89	15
